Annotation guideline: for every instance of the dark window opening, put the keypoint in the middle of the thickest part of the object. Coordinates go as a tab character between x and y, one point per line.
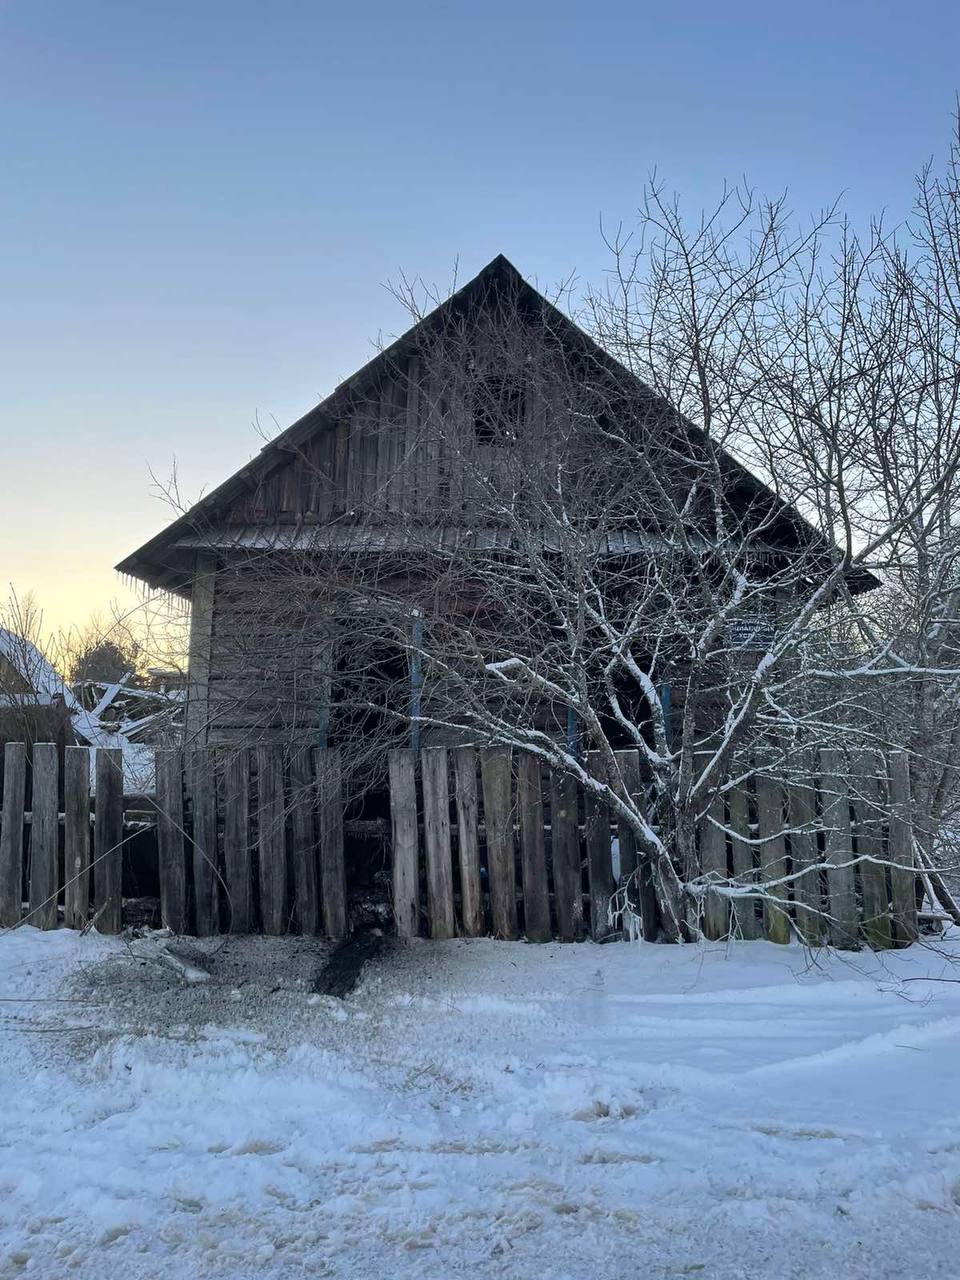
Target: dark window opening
499	405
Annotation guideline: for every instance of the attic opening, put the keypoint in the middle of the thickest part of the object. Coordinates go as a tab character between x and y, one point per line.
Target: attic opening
499	404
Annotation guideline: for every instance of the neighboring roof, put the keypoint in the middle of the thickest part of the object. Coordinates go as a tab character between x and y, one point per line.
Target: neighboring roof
162	562
46	683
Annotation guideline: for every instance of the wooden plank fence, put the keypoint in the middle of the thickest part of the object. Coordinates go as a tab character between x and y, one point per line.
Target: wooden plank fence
528	853
246	840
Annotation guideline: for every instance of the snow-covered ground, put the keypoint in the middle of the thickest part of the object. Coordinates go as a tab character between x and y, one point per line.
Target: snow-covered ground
480	1109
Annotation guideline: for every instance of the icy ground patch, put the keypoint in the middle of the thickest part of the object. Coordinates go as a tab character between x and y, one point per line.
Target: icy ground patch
479	1109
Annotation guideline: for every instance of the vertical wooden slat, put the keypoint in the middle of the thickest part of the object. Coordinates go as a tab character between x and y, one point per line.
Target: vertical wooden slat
402	767
203	794
271	840
713	861
628	763
436	840
303	845
533	854
468	839
201	632
501	861
838	850
802	810
746	923
773	857
599	858
76	836
107	840
333	878
43	837
868	812
565	851
903	877
170	845
237	860
11	833
643	895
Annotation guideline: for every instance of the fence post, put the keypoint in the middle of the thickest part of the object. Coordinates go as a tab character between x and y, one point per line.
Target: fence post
436	840
565	854
43	837
401	764
867	809
271	840
468	839
599	857
773	857
237	860
903	878
802	810
76	836
533	855
838	847
170	846
302	844
498	818
713	859
203	793
333	877
11	834
108	840
744	868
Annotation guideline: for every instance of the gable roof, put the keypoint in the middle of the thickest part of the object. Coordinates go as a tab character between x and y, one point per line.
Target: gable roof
166	560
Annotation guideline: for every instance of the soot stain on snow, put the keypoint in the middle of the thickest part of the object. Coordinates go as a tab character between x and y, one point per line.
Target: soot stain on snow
341	973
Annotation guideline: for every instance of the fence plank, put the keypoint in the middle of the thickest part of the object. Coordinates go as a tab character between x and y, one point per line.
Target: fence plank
713	862
11	833
868	811
746	922
773	856
903	877
303	846
237	849
203	793
271	840
76	836
501	860
599	860
802	811
643	895
842	926
565	855
533	853
107	840
402	767
436	840
43	837
468	840
333	878
170	844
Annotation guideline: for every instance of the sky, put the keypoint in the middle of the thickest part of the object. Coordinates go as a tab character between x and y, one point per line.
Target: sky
201	203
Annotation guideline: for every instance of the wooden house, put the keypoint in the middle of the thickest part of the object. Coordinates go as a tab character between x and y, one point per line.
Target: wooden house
387	462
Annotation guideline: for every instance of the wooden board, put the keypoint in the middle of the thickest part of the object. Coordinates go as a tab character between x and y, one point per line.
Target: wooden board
402	768
642	895
203	794
108	840
746	923
533	854
11	834
565	855
333	877
867	796
773	857
468	840
903	876
842	926
43	837
713	863
271	840
436	840
599	860
303	843
802	814
501	858
201	625
237	848
76	837
170	841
